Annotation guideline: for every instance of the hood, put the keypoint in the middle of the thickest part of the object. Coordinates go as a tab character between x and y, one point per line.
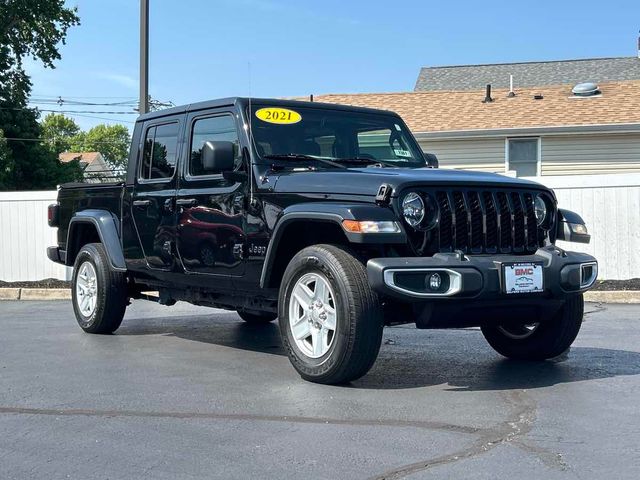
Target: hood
366	181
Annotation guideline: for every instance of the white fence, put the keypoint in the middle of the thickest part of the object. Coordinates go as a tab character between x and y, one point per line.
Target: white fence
25	236
610	204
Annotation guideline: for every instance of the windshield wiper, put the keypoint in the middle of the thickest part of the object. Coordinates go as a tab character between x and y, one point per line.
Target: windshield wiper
301	157
364	161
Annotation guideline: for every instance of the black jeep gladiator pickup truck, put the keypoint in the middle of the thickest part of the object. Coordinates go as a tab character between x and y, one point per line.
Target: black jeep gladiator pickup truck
328	218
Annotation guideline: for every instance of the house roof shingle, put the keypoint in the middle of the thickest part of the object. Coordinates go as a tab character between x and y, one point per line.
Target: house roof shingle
528	74
439	111
85	157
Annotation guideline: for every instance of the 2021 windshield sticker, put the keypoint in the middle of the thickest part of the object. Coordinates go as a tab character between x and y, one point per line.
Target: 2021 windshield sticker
280	116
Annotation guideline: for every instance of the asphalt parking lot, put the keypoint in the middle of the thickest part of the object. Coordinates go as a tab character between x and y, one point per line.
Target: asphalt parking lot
187	392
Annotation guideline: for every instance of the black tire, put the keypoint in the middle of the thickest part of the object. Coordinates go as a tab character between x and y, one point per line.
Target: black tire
111	292
552	337
359	320
257	318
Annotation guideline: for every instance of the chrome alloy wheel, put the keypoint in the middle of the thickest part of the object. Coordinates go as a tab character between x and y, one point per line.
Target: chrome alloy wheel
312	315
519	332
86	289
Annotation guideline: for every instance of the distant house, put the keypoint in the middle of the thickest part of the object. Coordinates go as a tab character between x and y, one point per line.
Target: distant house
528	74
541	128
93	164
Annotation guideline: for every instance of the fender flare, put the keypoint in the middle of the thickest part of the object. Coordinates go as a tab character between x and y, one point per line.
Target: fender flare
106	224
333	213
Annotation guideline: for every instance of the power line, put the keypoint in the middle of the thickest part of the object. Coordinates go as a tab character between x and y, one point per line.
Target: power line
113	120
80	96
61	101
88	111
59	139
76	113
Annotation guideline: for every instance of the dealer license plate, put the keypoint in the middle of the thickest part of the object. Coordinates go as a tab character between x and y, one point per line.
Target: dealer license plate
522	277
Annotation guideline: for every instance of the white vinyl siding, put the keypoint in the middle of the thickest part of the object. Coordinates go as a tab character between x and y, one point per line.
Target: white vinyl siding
485	154
591	154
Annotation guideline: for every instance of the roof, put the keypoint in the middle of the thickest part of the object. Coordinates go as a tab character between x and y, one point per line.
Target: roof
440	111
226	102
528	74
85	157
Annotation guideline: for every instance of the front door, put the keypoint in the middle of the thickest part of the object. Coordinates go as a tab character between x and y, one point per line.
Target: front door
210	209
152	205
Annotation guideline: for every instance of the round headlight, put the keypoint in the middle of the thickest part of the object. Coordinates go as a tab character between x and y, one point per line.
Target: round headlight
413	209
420	210
540	208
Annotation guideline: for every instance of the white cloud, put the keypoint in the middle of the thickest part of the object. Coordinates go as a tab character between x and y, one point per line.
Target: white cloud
124	80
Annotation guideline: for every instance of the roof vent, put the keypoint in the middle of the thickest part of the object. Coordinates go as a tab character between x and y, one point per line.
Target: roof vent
587	89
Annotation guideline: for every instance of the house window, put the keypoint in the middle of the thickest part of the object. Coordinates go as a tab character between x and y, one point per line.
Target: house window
523	156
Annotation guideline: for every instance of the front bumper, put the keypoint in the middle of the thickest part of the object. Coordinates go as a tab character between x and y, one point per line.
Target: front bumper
473	292
479	277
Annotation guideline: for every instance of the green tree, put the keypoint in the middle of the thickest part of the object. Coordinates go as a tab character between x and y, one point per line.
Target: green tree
33	28
5	162
112	141
59	131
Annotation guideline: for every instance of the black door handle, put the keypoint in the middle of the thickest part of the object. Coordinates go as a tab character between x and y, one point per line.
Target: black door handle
186	202
141	203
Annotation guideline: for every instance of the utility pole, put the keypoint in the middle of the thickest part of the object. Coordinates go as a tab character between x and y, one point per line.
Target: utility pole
144	57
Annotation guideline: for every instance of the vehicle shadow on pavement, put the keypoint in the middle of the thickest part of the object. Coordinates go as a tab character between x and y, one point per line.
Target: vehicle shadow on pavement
487	371
227	330
458	358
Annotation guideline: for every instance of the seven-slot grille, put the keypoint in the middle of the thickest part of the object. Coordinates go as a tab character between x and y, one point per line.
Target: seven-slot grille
487	221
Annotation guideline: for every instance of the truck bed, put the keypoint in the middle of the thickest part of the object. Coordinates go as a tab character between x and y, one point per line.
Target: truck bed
75	197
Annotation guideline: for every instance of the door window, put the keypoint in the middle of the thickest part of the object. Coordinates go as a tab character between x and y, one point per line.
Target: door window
211	129
160	152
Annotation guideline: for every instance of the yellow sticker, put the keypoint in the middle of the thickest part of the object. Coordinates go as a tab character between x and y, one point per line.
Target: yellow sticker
282	116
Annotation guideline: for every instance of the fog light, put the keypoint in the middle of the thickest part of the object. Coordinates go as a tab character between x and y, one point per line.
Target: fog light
435	281
588	274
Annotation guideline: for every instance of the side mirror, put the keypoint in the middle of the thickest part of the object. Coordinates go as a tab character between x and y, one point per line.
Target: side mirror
571	227
217	157
431	159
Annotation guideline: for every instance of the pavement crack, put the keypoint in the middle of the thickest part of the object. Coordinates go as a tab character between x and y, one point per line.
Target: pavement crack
547	457
518	424
429	425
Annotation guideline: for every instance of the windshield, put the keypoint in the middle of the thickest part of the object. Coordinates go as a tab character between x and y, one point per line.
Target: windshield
333	135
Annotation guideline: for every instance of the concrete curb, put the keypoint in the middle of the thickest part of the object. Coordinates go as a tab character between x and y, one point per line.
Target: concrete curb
9	294
35	294
613	296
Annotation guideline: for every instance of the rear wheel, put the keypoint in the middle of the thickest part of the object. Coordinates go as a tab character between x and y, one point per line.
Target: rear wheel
99	294
255	317
541	340
330	319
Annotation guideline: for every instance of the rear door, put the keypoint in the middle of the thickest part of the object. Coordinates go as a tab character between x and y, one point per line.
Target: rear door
153	198
210	210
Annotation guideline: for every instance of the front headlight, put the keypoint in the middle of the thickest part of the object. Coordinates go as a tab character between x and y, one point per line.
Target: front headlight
420	210
413	209
540	209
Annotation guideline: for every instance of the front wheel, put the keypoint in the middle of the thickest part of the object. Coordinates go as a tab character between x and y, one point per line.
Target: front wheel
541	340
330	319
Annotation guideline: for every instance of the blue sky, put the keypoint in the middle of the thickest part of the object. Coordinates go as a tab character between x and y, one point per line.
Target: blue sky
202	49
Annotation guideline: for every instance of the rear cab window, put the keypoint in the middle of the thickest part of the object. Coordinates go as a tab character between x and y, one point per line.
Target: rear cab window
160	152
